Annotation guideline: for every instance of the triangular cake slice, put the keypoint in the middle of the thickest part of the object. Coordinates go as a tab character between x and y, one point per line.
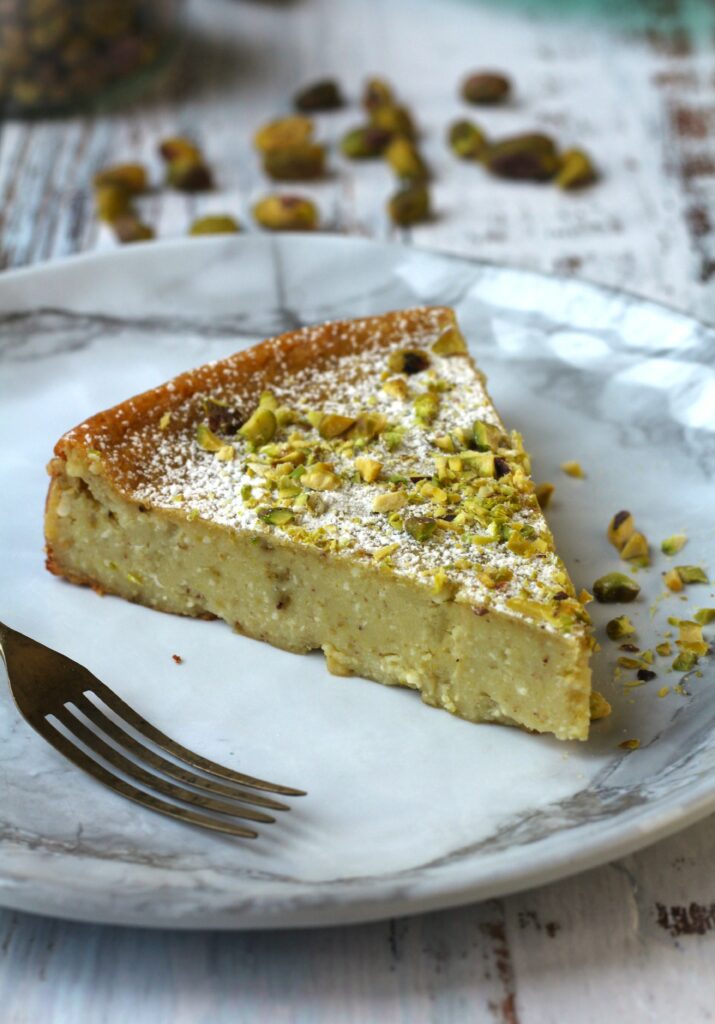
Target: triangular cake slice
348	487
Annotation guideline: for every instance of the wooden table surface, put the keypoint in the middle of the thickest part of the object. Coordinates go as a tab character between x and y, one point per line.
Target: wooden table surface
635	83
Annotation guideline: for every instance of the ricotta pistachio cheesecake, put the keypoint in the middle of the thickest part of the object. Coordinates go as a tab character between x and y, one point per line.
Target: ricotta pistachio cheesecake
348	488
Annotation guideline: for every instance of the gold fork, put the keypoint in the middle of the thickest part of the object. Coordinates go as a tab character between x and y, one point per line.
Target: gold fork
46	685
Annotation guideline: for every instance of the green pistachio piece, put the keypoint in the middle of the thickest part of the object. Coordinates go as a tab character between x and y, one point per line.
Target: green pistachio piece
322	95
576	170
394	119
365	142
420	527
206	439
467	140
672	545
285	131
409	205
189	175
615	588
214	224
286	213
426	407
302	162
523	158
685	661
404	159
450	343
111	201
485	436
620	627
377	93
276	516
129	228
486	87
705	616
332	425
177	148
691	574
260	427
130	177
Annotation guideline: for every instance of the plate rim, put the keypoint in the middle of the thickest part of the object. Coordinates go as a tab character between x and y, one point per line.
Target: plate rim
627	833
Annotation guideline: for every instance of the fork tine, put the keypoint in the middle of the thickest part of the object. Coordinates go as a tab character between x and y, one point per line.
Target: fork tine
148	779
175	771
78	757
177	750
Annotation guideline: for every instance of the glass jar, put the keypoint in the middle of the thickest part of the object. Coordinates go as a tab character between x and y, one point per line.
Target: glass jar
60	55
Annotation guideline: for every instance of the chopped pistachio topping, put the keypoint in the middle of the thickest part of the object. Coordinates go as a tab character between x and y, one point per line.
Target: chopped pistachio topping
165	421
276	516
685	661
320	477
389	501
664	650
369	469
260	428
426	408
206	439
635	548
573	469
620	528
691	638
397	387
420	527
615	588
672	545
450	343
691	574
331	425
672	580
705	616
619	627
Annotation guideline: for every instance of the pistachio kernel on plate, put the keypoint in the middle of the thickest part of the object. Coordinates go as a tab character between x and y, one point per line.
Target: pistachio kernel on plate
324	94
286	213
619	627
705	616
615	588
691	574
214	224
573	469
620	528
672	545
467	140
685	661
672	580
630	744
635	548
486	87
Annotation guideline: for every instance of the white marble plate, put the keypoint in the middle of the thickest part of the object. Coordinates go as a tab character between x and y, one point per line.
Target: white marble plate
408	807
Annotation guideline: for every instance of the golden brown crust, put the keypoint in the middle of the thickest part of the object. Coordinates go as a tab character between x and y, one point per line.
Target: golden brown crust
242	376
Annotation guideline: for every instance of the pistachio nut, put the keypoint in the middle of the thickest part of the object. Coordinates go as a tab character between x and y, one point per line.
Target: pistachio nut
394	119
286	213
404	159
450	343
111	201
615	588
531	157
576	170
420	527
129	228
377	93
303	162
322	95
177	148
285	131
260	427
410	205
466	140
189	175
619	628
276	516
672	545
365	142
214	224
486	87
131	177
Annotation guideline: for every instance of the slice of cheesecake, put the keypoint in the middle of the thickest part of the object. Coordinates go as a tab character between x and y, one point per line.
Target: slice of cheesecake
347	487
